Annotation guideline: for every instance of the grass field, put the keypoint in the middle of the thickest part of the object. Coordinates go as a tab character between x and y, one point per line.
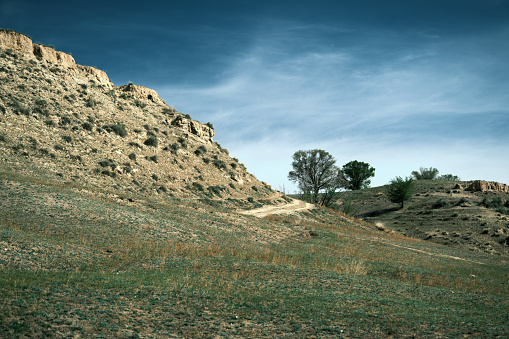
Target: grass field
78	262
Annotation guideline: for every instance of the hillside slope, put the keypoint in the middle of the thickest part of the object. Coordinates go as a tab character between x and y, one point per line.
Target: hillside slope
456	214
64	122
121	218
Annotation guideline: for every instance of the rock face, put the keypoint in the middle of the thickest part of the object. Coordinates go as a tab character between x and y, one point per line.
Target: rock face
16	41
22	43
143	92
48	53
193	127
487	186
100	76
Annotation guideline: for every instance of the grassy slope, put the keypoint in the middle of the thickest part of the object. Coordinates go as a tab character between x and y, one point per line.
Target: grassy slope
439	213
83	263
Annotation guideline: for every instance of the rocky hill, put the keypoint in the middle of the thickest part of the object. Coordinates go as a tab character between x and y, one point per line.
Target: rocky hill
67	123
469	215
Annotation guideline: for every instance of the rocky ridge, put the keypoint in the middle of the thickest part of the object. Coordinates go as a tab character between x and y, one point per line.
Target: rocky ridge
68	123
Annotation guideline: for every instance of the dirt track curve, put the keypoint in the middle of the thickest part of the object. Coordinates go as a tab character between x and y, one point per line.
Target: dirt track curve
294	206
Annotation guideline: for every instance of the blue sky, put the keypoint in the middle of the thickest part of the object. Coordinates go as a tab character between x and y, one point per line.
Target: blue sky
397	84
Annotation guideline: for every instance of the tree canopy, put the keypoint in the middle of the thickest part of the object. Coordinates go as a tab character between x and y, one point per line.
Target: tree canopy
357	174
425	173
315	172
400	190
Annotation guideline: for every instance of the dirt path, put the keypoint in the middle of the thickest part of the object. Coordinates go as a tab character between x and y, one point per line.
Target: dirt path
294	206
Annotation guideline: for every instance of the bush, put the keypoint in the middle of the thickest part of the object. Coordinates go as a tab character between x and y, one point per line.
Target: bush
169	110
219	164
132	156
209	124
155	177
215	190
107	163
119	129
154	158
65	121
426	173
87	126
200	150
197	186
182	142
439	203
66	138
151	141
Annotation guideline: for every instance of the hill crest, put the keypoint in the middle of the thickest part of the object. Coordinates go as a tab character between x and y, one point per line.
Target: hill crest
68	122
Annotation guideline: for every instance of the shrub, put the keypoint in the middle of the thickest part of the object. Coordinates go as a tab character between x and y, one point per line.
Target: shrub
494	203
232	185
155	177
197	186
2	109
506	204
140	104
255	188
169	110
425	173
119	129
154	158
215	190
132	156
66	138
219	164
89	102
50	123
182	142
439	203
107	163
151	141
87	126
209	124
200	150
65	121
187	116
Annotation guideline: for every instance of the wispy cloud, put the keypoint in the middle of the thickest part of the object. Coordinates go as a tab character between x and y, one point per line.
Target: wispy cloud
280	98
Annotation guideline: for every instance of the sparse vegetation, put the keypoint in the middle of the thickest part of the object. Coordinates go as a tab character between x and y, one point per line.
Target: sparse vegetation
151	141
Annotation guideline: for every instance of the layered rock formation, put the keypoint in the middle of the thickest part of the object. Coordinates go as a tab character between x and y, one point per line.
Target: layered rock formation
23	43
487	186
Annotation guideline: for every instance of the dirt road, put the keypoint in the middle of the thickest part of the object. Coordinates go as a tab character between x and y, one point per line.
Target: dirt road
294	206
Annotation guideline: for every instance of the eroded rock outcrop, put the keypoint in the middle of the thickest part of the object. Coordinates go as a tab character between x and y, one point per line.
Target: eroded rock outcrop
193	127
487	186
143	93
100	76
16	41
48	53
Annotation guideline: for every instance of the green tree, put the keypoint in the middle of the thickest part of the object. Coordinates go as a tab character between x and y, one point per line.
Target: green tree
425	174
400	190
356	175
449	177
315	172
